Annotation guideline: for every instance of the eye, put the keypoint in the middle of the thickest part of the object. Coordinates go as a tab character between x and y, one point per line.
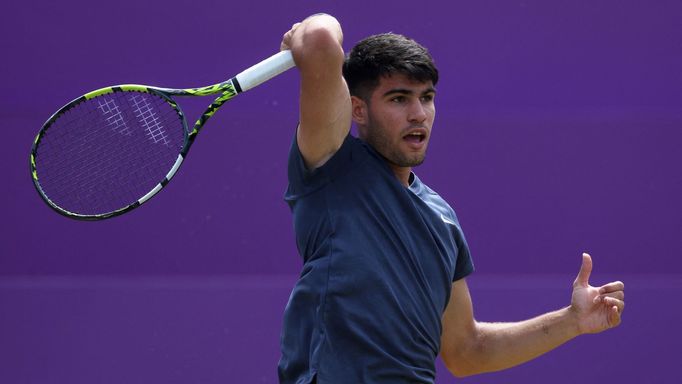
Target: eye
399	99
427	98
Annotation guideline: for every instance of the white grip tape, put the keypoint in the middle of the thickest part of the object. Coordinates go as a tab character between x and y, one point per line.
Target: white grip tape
265	70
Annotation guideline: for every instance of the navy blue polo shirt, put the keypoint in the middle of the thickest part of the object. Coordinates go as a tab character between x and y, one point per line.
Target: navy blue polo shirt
379	260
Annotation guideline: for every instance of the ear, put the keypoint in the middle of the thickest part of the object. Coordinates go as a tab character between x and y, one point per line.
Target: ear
359	110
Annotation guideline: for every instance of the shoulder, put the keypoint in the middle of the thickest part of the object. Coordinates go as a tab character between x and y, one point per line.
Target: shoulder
353	154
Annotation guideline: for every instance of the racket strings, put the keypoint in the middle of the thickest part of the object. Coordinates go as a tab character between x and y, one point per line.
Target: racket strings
107	152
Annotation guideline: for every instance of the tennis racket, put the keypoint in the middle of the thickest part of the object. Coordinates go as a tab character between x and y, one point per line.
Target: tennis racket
110	150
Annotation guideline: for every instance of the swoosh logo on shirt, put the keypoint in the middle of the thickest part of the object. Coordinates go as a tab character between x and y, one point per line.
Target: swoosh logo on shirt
447	221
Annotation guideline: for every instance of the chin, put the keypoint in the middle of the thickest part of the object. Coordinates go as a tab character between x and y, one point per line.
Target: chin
419	161
412	162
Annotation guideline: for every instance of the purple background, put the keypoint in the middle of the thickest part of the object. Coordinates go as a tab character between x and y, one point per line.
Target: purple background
557	131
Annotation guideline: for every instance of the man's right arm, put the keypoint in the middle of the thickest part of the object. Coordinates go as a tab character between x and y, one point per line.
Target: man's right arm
325	106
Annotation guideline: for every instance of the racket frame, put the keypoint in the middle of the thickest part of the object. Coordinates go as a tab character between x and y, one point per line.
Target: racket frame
244	81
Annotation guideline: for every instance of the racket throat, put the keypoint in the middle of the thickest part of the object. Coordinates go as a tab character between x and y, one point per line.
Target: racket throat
236	85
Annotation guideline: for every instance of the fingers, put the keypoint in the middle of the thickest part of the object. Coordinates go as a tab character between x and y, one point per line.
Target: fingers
614	316
614	290
612	296
286	38
611	302
615	309
585	270
620	295
612	287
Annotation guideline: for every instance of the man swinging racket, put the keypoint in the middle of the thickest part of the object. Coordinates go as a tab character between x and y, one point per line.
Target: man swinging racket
383	289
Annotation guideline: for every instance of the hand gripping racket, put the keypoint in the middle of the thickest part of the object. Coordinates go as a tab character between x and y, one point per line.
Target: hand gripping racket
110	150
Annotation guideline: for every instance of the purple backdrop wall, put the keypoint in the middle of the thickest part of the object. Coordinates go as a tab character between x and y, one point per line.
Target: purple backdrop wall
557	131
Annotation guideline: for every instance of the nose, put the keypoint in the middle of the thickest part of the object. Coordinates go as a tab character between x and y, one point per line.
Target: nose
417	113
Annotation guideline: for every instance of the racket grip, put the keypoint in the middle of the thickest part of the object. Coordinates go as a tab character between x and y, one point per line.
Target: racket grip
265	70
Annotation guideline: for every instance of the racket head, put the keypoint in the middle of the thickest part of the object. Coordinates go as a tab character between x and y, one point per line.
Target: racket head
108	151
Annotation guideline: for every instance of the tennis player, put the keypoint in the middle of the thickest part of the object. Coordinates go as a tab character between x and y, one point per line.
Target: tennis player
383	290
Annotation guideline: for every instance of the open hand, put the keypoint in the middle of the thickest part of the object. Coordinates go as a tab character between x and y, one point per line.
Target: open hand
596	308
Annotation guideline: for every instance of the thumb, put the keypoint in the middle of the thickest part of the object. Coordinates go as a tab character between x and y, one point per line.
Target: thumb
585	270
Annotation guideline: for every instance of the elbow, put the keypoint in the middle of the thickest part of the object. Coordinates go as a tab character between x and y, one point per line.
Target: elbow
458	366
322	32
320	43
467	357
460	374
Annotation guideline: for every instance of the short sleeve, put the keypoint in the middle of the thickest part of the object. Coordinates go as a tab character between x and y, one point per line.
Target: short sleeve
303	181
464	265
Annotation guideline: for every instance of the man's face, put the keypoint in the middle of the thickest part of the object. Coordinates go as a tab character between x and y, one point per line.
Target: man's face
398	118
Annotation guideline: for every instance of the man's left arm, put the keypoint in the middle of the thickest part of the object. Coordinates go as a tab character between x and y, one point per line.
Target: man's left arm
469	347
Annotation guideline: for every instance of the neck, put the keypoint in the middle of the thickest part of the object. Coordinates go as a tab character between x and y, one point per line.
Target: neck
402	173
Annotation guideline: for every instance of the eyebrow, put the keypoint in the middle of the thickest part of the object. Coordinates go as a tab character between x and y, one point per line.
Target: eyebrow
405	91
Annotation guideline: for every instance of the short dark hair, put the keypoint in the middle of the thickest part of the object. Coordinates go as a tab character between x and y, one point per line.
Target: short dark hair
383	55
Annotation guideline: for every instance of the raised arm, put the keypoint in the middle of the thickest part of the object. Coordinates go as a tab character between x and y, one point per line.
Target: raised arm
325	107
469	347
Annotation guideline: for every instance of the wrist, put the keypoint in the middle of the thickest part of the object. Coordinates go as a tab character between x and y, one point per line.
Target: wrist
572	320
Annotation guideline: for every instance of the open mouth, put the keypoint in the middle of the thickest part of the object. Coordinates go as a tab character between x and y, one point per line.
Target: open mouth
415	137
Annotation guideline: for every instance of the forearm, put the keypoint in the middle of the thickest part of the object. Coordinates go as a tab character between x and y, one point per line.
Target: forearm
325	106
499	346
469	347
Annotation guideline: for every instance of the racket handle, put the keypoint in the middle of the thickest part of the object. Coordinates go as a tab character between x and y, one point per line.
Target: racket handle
265	70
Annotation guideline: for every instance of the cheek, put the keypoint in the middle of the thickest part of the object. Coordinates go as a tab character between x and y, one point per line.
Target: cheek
387	122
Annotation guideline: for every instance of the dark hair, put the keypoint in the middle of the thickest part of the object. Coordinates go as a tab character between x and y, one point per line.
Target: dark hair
383	55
